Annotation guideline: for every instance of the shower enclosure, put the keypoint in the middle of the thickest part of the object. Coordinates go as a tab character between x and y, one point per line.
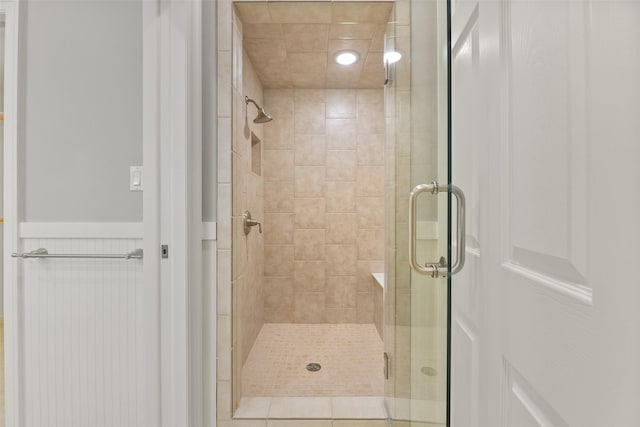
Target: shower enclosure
316	223
418	255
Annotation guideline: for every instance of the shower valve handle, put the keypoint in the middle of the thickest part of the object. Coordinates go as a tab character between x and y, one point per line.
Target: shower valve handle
253	223
248	222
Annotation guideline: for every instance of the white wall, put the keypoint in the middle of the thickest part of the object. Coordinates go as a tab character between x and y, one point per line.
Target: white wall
82	117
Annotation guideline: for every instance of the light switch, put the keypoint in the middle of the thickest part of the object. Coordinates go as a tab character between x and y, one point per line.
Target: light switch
135	178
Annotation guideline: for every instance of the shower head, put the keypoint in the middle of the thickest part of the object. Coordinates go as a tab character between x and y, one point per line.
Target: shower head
262	116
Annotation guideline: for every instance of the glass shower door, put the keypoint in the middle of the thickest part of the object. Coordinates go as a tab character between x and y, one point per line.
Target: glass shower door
418	229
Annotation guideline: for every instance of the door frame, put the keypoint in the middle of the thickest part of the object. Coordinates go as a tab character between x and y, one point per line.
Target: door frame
171	150
11	185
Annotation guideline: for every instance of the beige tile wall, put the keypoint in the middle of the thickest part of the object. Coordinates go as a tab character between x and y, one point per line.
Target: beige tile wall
223	390
324	204
247	195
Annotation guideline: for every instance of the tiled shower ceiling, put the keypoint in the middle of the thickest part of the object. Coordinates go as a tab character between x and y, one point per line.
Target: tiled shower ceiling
293	44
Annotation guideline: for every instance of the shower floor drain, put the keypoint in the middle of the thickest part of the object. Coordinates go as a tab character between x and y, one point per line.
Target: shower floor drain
313	367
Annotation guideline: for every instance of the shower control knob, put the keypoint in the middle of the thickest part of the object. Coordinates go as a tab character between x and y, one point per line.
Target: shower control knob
248	222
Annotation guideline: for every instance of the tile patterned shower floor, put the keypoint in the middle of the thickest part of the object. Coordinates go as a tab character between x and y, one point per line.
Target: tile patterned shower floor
351	356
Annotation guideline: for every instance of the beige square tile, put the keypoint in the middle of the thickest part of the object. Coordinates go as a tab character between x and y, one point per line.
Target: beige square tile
365	307
365	269
371	79
309	118
277	165
262	31
308	308
309	245
341	165
223	273
309	276
308	62
223	364
278	260
310	150
341	260
223	334
224	84
278	197
309	80
340	315
370	212
224	150
341	104
224	13
310	213
361	31
223	400
377	43
341	228
253	12
370	182
341	134
253	407
278	132
309	96
374	65
370	149
341	291
361	12
261	50
370	244
341	196
371	96
278	228
358	407
278	297
370	119
306	38
302	12
309	181
341	76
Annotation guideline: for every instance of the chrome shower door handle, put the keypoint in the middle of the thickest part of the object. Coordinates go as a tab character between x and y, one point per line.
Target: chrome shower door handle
437	269
461	229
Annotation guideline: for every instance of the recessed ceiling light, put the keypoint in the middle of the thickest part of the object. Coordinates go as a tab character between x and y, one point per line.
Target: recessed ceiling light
347	57
392	57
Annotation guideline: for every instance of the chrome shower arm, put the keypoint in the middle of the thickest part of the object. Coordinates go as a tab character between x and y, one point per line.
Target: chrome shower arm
249	100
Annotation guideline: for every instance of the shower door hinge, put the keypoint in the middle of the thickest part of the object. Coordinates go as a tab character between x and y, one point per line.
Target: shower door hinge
386	365
164	250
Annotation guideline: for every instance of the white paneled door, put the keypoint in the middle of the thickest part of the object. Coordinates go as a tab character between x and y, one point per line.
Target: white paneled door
546	143
82	335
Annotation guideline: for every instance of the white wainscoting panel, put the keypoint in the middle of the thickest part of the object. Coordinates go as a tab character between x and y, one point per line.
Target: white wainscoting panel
79	335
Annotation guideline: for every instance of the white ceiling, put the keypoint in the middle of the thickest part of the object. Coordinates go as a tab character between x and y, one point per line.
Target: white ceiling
293	44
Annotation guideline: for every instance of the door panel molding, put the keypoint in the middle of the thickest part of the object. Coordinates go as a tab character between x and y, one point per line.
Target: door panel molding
544	121
523	405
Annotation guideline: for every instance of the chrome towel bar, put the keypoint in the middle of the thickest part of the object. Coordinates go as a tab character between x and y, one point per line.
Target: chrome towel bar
43	253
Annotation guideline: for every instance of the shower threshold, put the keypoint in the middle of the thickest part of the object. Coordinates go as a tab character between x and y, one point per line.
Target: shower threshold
299	408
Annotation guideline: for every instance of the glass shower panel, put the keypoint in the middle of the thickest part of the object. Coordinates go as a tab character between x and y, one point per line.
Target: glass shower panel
416	305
